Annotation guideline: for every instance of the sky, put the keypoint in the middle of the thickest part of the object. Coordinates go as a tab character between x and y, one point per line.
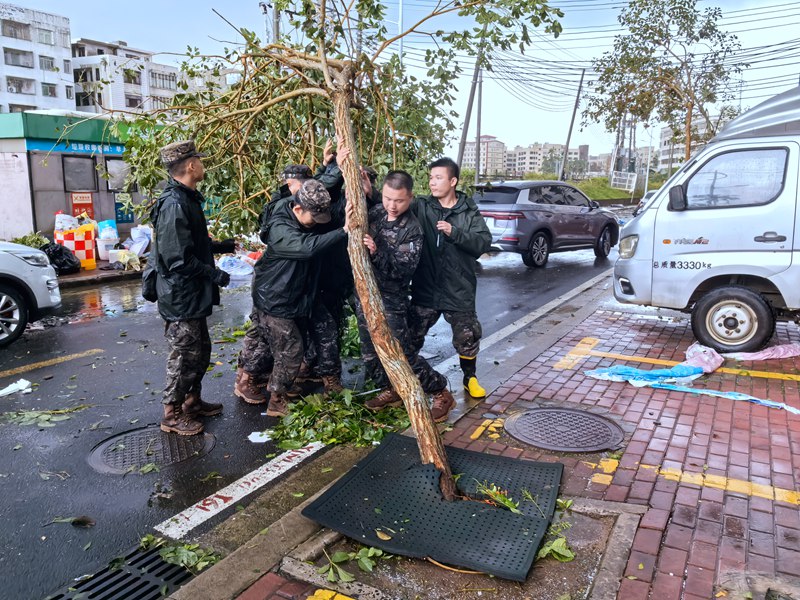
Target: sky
528	99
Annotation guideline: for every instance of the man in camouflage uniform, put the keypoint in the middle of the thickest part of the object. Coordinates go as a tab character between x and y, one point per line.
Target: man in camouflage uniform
456	235
187	285
284	285
395	245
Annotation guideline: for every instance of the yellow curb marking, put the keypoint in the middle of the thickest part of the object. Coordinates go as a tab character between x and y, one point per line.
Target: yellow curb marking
49	363
703	480
574	356
489	425
584	349
328	595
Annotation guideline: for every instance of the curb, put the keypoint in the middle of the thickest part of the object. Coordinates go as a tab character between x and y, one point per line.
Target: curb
93	278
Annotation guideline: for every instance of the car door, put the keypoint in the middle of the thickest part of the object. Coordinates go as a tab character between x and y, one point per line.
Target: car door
739	220
586	223
553	213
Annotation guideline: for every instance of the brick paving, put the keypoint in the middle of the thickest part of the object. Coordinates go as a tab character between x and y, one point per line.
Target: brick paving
701	465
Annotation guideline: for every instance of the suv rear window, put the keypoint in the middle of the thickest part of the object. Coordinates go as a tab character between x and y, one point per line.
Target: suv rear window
496	194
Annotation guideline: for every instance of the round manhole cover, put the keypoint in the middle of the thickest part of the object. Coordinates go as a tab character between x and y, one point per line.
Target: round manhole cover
565	430
131	450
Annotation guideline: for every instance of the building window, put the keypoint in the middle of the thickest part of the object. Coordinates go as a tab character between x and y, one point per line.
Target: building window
49	90
79	51
100	51
88	99
82	75
67	65
160	102
133	101
132	76
69	92
47	63
46	37
20	86
166	81
63	38
97	74
20	31
79	174
18	58
117	171
18	108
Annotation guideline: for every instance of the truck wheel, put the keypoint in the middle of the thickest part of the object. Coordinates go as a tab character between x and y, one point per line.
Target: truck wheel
13	314
538	250
733	319
602	247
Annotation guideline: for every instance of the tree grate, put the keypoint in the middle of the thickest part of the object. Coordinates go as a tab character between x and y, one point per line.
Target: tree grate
565	430
132	449
390	492
142	576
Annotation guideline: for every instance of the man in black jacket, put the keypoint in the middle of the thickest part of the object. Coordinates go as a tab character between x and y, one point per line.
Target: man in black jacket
187	285
395	242
284	287
445	284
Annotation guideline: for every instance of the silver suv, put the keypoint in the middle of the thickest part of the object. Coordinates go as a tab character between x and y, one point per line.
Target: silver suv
535	218
28	289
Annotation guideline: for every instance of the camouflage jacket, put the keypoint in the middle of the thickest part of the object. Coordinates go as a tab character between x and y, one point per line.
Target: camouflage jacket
399	247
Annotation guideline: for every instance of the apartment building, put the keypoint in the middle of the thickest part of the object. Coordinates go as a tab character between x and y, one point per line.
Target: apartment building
493	156
36	70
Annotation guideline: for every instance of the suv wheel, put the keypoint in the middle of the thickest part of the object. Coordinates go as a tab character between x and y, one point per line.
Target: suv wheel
733	319
538	250
602	247
13	314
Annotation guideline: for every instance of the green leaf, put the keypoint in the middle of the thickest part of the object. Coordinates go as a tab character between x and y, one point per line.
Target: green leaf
340	557
298	494
344	575
148	468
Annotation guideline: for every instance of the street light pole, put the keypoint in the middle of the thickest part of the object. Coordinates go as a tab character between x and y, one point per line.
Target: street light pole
563	171
265	11
400	29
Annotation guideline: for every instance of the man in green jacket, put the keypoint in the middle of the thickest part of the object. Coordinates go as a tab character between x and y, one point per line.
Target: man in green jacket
284	287
456	235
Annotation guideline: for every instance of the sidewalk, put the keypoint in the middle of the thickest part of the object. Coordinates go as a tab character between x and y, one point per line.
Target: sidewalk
95	276
718	481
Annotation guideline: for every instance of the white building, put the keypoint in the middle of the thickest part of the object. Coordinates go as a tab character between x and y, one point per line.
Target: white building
493	156
36	71
115	77
539	158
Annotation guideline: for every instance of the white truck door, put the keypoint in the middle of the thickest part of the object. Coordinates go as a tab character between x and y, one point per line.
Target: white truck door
739	219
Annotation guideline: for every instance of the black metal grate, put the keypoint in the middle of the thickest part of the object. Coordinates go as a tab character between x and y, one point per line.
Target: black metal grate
143	576
391	492
565	430
132	449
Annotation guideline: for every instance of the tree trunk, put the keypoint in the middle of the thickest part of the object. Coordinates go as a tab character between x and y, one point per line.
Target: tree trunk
688	151
387	347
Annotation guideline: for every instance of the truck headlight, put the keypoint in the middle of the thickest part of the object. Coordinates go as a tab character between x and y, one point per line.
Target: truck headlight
627	246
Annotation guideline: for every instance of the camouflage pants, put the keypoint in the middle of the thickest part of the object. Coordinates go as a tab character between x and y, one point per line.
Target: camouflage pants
466	328
431	380
255	356
323	336
189	356
282	341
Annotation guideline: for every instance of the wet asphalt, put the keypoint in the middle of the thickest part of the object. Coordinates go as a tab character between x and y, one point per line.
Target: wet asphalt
44	471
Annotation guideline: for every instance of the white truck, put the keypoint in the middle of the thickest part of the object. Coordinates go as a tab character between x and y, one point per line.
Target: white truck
720	238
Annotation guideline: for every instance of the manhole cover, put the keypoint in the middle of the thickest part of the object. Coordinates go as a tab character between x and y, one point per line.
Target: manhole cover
133	449
565	430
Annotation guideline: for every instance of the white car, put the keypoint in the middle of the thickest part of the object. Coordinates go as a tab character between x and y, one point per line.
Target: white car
28	289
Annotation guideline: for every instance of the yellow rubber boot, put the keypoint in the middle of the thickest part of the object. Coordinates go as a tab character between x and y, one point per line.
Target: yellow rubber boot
474	389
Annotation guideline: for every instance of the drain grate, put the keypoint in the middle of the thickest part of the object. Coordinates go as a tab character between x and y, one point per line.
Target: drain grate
142	576
565	430
130	450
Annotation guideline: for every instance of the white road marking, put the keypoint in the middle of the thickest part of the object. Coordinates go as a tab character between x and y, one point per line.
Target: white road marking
488	342
178	526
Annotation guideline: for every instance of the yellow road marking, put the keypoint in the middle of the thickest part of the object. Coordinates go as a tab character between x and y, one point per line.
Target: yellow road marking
490	425
328	595
480	429
49	363
582	350
703	480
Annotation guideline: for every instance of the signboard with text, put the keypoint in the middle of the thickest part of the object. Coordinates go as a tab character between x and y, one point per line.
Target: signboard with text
82	203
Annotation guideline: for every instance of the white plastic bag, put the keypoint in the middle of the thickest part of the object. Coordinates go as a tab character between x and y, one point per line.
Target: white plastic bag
65	222
139	240
235	267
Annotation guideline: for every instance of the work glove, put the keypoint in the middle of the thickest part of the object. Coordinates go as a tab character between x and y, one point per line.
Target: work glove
221	278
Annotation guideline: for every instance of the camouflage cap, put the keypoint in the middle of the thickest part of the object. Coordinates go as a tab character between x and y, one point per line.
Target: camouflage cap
314	198
296	172
177	151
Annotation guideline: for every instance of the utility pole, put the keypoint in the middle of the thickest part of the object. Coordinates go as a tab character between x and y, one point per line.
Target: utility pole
478	129
465	130
265	11
276	24
563	170
400	29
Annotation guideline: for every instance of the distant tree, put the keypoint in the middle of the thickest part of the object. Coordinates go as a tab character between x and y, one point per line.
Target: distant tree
672	65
